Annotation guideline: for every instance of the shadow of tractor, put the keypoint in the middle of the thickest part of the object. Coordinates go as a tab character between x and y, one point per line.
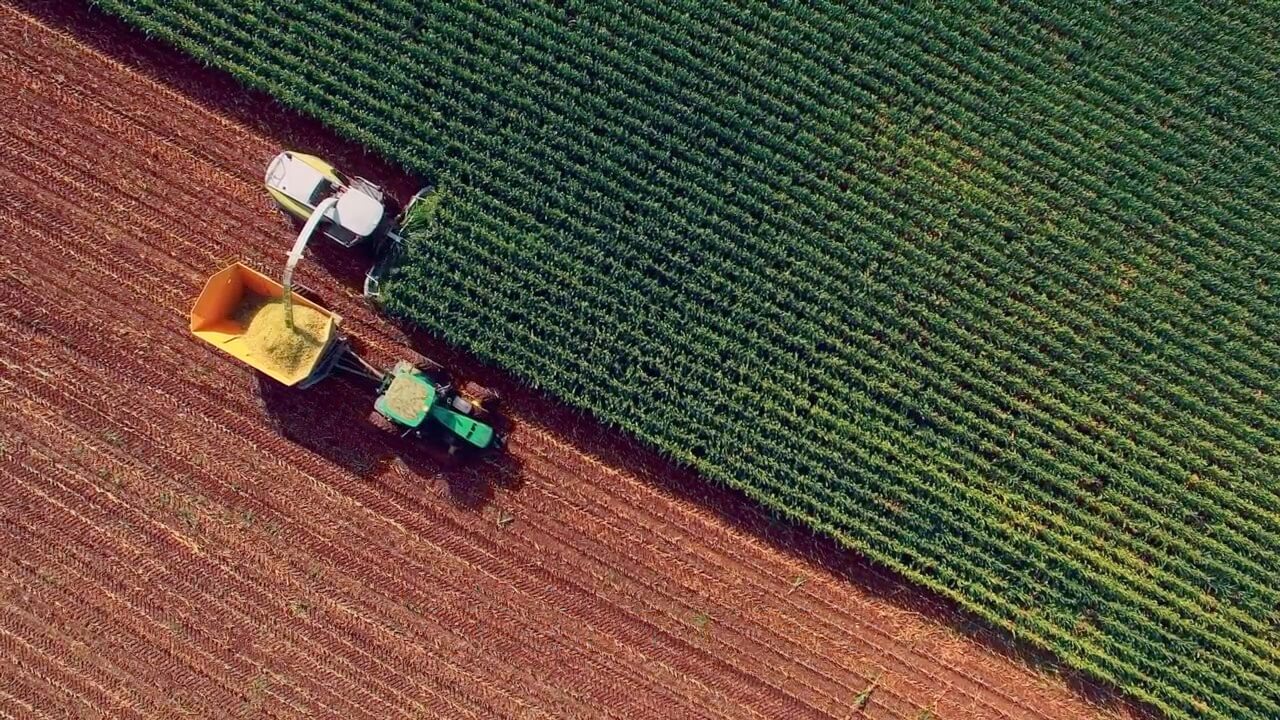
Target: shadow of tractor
335	420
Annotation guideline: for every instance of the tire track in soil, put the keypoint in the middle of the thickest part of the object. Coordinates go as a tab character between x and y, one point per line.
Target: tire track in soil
55	329
231	694
69	399
586	604
114	589
260	619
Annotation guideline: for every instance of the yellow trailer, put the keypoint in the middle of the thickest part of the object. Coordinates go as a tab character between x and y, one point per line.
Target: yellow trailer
218	319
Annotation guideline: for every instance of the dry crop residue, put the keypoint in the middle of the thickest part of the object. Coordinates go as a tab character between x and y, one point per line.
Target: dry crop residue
405	395
275	345
178	542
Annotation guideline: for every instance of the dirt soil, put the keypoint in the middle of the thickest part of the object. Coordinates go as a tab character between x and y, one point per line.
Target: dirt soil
179	538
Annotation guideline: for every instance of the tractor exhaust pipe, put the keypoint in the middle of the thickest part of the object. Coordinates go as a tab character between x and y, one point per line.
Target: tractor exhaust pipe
295	255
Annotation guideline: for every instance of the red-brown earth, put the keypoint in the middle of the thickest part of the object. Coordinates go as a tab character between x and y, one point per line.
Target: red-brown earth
180	539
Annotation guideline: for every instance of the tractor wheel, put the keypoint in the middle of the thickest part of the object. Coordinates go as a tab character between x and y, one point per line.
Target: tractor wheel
486	398
437	375
479	392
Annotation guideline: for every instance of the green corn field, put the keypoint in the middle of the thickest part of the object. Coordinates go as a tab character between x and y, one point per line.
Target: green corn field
987	291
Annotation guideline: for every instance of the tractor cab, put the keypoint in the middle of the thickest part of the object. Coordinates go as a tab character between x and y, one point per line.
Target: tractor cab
299	183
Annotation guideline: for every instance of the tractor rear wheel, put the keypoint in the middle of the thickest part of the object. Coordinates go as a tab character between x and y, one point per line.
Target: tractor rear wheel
485	399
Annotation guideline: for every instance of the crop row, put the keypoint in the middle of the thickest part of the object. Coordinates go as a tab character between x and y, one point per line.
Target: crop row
988	292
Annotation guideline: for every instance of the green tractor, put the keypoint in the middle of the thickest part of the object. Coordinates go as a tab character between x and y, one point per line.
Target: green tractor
410	399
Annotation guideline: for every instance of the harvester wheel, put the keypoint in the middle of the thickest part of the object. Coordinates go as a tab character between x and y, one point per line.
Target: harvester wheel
392	210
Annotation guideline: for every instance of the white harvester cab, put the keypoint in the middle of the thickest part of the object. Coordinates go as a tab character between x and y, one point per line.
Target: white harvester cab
300	183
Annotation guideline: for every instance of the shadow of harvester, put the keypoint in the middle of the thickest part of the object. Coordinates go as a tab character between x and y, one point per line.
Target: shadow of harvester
335	420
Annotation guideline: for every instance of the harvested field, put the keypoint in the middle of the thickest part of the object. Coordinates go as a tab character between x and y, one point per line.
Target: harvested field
986	291
178	541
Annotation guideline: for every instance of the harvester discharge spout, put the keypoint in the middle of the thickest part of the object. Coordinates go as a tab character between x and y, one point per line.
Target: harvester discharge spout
295	254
